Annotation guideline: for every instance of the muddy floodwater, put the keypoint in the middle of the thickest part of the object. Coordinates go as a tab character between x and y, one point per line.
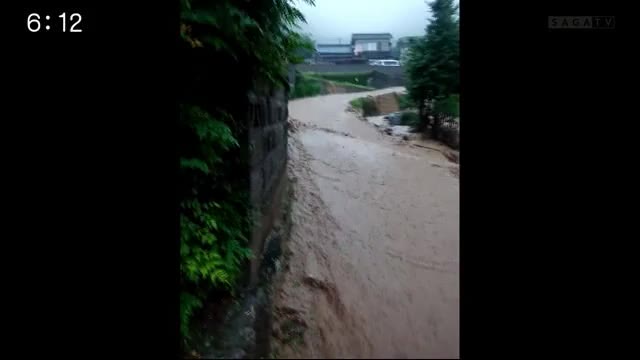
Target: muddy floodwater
373	254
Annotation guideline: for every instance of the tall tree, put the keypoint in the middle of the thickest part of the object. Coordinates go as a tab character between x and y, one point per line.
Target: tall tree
434	66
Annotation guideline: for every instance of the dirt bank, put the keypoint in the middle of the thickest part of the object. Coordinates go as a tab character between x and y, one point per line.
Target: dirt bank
373	267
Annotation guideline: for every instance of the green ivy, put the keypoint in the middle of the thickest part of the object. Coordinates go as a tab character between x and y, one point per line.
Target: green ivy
306	86
188	304
212	244
357	103
214	214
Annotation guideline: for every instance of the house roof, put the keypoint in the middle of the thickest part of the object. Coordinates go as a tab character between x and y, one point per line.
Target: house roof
333	45
370	36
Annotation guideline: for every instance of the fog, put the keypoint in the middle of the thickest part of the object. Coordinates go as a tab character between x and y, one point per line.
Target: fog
333	21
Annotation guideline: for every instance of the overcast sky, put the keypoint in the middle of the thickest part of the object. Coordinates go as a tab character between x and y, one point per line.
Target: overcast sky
333	20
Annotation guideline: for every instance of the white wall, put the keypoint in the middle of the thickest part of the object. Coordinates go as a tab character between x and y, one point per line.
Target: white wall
371	45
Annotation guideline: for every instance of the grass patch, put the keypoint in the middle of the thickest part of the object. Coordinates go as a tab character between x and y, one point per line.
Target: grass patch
306	86
312	84
367	105
356	103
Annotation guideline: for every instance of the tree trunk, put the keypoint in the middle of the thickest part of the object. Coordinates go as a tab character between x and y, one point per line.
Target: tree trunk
422	114
435	127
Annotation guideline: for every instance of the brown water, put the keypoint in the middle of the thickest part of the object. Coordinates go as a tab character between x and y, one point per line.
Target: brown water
374	249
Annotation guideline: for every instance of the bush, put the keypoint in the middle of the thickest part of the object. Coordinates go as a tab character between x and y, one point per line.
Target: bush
214	212
409	118
356	103
366	104
257	41
449	106
404	102
369	107
306	86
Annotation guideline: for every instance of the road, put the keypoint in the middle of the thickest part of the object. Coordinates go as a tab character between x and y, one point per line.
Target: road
373	254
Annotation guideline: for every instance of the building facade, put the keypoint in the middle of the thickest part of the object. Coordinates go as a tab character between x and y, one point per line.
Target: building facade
372	46
333	53
363	47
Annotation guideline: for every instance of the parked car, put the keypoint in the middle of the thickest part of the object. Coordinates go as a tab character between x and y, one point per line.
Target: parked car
394	118
390	63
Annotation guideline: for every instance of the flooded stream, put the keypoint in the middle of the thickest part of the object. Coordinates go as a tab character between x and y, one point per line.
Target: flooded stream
373	256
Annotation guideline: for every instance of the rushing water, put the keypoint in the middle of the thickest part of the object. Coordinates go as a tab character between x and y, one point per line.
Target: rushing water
374	248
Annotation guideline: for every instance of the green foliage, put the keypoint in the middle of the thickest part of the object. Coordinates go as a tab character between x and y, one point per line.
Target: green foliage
433	64
213	245
356	103
188	304
214	218
306	86
312	84
261	38
260	32
409	118
369	106
405	56
449	106
305	50
405	102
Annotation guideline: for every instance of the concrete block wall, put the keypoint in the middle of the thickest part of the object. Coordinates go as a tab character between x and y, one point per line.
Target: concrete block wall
380	80
268	144
267	115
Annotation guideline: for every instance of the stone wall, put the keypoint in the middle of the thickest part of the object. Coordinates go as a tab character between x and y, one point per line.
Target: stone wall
267	115
389	70
330	87
263	115
381	80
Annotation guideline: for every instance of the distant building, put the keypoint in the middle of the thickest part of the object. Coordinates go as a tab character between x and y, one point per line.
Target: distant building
363	47
333	53
372	46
